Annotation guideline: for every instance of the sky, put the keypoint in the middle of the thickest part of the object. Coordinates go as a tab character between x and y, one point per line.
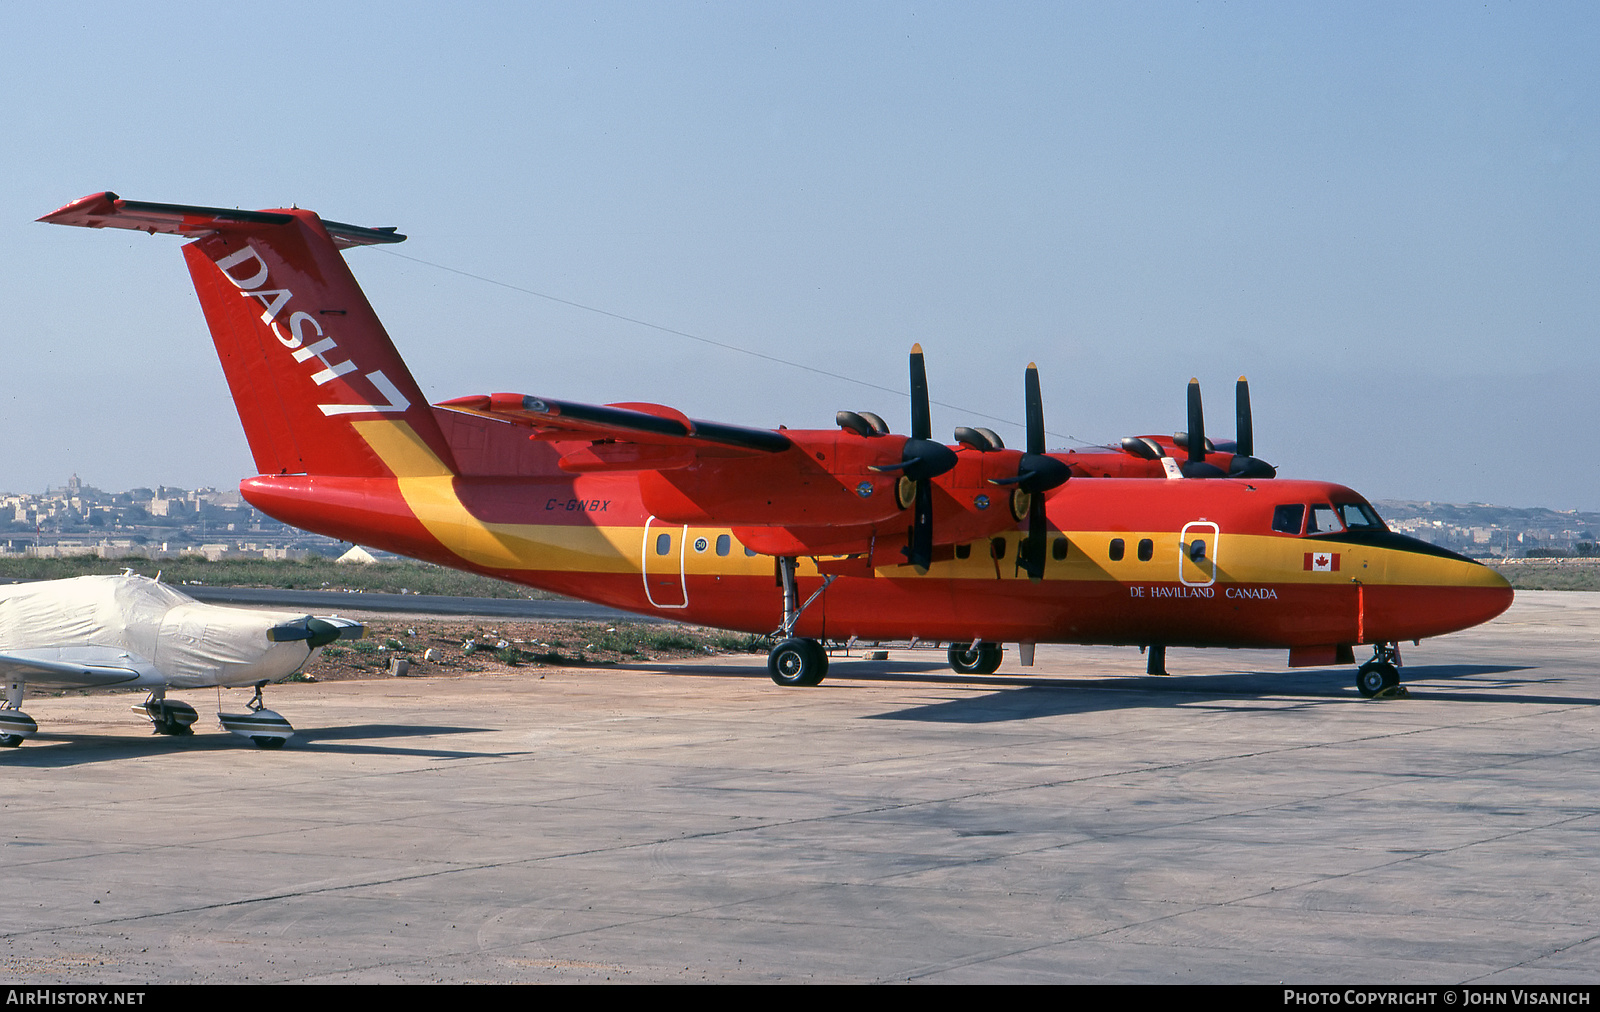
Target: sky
1384	214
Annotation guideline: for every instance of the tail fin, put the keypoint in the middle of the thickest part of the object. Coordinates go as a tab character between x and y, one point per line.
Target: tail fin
310	367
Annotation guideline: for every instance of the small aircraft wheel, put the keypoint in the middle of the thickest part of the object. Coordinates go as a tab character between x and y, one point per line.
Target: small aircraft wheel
1375	676
268	741
10	740
797	662
981	660
173	727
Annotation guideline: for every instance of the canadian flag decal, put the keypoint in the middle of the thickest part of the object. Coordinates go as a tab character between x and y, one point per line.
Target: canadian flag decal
1322	562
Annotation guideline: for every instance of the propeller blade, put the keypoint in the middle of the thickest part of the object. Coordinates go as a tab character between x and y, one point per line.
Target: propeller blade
1034	402
1197	423
921	419
1033	548
920	550
1244	432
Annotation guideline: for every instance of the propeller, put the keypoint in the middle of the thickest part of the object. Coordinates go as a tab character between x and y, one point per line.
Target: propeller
1245	463
924	461
1195	466
1037	473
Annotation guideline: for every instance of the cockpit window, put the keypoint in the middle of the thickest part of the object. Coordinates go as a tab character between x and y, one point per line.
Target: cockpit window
1324	520
1288	519
1360	517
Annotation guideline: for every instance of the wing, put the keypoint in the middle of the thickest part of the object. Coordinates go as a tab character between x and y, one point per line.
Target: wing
79	667
623	436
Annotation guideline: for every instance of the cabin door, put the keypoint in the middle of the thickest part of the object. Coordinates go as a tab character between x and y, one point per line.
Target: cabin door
662	564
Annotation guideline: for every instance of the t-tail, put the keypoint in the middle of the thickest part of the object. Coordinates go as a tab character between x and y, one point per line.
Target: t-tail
319	386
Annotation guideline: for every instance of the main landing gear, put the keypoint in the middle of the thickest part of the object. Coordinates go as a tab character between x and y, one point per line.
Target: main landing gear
975	658
1380	677
796	660
169	716
14	724
260	725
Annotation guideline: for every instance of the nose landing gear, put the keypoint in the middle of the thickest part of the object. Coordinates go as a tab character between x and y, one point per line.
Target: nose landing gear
262	726
976	658
1379	678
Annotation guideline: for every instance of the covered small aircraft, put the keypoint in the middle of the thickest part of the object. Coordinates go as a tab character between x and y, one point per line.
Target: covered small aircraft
125	632
816	536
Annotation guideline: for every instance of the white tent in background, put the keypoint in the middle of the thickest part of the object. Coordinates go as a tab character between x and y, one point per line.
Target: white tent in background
356	554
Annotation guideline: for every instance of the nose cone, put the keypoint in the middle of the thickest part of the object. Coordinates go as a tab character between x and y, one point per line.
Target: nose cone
1427	591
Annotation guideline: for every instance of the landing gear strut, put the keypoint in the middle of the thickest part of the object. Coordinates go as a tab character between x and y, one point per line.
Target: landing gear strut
796	661
1381	675
975	658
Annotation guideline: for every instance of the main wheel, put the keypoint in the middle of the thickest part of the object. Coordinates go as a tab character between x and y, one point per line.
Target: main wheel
1375	676
796	662
10	740
984	659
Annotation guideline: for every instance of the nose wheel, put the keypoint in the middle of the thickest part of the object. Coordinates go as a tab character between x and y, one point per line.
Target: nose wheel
975	658
1380	677
262	726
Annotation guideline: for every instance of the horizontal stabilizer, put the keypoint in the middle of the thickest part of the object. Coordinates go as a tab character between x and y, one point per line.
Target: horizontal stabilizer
107	210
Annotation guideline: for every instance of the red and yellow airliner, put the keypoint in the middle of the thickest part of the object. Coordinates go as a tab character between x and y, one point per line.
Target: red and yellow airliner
822	535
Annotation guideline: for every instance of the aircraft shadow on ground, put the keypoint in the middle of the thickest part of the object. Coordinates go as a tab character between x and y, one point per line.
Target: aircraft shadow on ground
1044	696
58	751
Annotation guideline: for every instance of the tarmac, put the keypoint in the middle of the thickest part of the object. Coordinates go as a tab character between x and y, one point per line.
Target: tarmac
1077	821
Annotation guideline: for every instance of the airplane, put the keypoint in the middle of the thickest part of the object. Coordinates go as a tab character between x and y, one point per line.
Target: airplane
812	536
128	631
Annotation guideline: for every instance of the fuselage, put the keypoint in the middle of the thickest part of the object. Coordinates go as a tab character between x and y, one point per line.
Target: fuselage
1185	562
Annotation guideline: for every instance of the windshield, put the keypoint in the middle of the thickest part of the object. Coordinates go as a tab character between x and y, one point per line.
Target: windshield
1358	516
1344	516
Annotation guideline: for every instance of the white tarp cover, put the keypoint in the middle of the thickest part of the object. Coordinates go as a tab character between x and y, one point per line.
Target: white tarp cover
190	643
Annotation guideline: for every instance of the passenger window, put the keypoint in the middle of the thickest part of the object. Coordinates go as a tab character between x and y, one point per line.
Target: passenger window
1147	548
1116	549
663	544
1197	550
1289	519
724	544
963	551
1058	550
750	553
1324	520
997	548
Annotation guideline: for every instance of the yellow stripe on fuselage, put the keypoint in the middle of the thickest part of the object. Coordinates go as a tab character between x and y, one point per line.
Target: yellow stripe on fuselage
428	488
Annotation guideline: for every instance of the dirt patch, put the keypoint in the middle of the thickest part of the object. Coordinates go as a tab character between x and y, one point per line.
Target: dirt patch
459	646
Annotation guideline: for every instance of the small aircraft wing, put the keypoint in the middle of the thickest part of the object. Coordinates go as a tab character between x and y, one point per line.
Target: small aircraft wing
56	666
